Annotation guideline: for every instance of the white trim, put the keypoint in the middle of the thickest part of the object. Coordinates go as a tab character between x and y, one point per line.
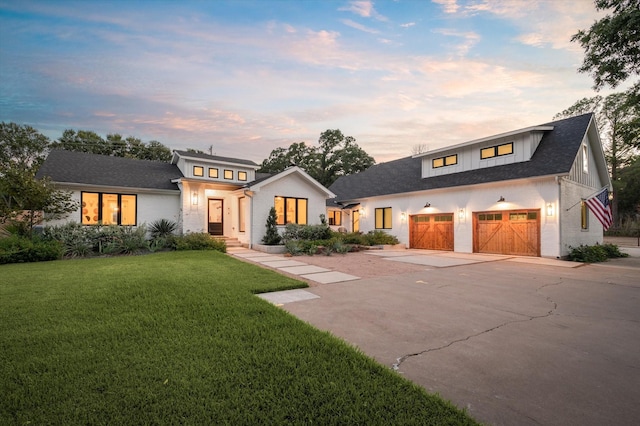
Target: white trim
287	172
122	189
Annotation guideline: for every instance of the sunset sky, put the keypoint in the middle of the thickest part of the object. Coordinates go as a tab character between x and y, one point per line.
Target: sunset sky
249	76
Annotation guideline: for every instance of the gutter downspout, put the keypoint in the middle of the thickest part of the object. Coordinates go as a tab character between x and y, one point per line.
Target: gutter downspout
249	194
560	210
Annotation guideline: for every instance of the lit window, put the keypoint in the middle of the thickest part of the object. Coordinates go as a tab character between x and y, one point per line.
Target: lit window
291	210
335	217
198	171
585	158
496	151
213	172
242	202
383	218
242	176
449	160
108	209
228	174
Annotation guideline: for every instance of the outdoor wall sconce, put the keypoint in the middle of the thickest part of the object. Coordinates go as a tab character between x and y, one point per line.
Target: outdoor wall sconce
501	199
428	204
550	209
461	214
361	212
403	216
194	198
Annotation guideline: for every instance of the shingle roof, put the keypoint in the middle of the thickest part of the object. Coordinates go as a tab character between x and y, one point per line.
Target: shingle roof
215	158
92	169
555	155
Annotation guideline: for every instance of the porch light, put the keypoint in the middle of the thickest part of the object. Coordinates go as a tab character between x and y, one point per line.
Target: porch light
403	216
501	199
550	209
461	214
194	198
428	204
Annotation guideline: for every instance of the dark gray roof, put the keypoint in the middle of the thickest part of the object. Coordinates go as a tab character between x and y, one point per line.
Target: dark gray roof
554	156
216	158
92	169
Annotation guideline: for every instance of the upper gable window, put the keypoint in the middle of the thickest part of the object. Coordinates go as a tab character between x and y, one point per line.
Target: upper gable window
496	151
585	158
213	172
449	160
198	171
242	176
228	174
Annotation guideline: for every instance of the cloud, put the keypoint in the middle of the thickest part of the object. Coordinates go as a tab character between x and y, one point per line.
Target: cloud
469	39
364	9
352	24
408	25
448	6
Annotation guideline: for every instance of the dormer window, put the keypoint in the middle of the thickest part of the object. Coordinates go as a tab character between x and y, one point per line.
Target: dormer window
242	176
228	174
496	151
213	173
198	171
449	160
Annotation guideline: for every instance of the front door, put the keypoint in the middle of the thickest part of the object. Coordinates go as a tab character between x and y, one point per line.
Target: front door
215	217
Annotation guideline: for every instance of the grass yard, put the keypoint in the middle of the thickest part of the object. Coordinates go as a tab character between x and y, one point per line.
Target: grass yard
179	338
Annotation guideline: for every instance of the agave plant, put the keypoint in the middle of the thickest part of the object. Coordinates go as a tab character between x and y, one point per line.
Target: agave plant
162	228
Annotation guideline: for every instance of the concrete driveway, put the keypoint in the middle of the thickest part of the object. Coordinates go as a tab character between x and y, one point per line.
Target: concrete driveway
512	342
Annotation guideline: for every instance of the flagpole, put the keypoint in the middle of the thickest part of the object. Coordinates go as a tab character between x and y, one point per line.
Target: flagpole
582	199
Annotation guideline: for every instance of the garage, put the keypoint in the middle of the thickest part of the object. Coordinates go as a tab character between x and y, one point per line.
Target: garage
515	232
431	231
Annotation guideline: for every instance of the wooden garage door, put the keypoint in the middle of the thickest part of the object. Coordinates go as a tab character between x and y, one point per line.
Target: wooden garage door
514	232
431	231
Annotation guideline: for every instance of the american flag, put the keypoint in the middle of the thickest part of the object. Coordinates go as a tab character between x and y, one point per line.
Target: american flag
601	208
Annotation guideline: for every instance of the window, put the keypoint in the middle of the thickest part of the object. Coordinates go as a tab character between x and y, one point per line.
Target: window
198	171
291	210
449	160
584	216
490	216
228	174
585	158
335	217
383	218
108	209
496	151
213	172
356	221
242	202
242	176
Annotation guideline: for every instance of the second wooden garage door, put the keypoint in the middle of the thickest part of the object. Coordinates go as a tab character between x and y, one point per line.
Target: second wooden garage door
431	231
514	232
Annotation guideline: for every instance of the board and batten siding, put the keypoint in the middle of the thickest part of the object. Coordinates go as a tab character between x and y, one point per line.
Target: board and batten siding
524	145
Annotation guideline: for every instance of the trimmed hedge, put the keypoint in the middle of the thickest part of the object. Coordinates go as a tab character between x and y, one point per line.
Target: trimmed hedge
17	249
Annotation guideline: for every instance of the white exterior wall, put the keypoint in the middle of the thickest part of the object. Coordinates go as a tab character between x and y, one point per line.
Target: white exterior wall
292	185
530	194
571	220
151	206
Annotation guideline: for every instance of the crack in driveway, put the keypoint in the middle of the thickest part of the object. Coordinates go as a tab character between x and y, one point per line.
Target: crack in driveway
399	361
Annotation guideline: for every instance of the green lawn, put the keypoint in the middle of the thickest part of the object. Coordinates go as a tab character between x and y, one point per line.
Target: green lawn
179	338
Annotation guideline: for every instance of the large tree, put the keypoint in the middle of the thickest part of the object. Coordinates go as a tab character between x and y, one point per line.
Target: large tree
336	155
22	196
114	145
612	45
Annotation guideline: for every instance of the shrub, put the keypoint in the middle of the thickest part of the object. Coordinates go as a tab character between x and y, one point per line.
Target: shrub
596	253
377	237
354	238
293	247
126	240
306	232
271	237
199	241
76	240
19	249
